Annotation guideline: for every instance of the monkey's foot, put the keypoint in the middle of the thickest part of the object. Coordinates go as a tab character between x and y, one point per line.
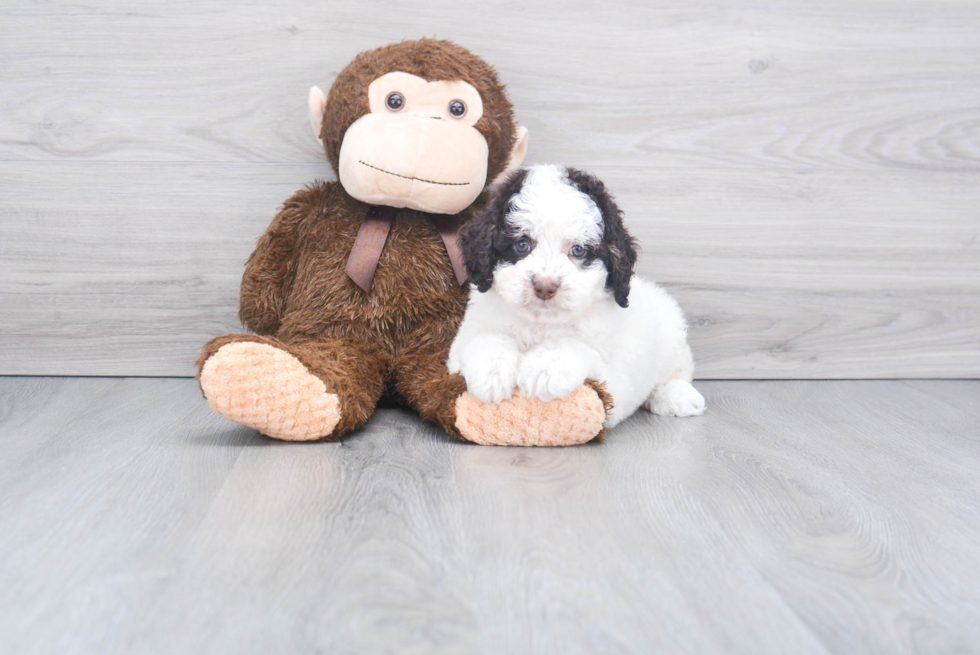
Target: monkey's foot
268	389
521	421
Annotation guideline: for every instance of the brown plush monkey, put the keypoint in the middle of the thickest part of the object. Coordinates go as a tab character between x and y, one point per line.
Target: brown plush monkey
355	288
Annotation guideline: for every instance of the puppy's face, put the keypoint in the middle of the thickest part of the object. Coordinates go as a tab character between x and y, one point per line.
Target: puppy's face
551	244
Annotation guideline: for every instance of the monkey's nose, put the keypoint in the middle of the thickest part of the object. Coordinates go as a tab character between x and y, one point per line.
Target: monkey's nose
545	287
427	111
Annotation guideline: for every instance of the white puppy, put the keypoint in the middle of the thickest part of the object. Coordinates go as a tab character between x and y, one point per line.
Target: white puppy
558	303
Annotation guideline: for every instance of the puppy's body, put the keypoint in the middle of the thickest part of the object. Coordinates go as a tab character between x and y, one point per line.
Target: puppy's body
559	303
638	352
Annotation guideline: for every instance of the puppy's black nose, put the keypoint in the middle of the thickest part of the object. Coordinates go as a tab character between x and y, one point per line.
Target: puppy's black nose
545	287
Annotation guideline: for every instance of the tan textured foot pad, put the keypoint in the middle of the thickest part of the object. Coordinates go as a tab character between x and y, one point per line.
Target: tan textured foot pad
520	421
268	389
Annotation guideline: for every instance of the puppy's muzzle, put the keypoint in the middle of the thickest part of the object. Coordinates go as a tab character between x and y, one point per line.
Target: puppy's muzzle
545	288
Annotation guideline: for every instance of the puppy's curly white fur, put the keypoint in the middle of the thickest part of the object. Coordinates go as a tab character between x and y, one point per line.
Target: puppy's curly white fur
558	302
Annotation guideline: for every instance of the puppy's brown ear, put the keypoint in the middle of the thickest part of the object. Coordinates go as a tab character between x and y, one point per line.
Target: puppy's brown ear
476	240
482	238
618	249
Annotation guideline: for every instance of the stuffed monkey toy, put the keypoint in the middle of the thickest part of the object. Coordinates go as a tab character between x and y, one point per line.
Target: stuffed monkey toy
357	287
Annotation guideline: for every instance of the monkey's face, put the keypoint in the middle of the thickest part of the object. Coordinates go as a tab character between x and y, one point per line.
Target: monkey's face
418	147
421	124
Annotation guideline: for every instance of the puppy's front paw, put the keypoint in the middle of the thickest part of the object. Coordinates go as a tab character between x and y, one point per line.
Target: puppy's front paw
490	376
677	398
550	374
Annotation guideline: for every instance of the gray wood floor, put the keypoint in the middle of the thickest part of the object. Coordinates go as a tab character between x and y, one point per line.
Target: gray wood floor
795	517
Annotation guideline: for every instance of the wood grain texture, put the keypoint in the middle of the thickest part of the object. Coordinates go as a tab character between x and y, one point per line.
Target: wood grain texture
804	178
652	83
804	517
104	280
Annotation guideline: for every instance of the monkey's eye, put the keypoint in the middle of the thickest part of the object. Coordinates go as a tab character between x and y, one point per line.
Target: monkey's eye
523	245
394	101
577	251
457	108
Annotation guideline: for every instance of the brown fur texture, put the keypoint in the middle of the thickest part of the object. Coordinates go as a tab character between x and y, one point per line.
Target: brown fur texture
392	341
398	335
607	403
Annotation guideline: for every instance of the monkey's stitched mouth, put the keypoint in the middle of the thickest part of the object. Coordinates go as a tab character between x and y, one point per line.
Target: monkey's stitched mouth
417	179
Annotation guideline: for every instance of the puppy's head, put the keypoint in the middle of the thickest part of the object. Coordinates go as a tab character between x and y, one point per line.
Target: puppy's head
551	243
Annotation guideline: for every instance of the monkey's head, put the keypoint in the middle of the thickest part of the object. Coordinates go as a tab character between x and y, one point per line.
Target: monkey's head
420	124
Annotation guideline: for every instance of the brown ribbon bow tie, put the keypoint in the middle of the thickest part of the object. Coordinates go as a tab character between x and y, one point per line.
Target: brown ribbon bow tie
371	239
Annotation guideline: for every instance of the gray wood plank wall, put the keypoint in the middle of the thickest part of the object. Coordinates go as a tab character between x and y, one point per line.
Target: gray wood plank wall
804	177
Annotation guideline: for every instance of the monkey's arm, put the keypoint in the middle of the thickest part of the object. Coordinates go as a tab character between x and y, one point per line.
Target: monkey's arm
270	270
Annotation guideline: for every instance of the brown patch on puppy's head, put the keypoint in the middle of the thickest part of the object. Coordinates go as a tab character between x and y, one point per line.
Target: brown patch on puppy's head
486	239
618	249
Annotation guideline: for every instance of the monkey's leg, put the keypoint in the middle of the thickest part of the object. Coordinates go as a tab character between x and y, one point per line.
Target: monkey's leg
309	391
422	378
520	421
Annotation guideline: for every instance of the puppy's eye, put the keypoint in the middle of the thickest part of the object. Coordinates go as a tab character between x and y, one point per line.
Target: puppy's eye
523	245
395	101
577	251
457	108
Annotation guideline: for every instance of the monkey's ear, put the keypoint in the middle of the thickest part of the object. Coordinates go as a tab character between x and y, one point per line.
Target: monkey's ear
516	155
476	240
318	105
